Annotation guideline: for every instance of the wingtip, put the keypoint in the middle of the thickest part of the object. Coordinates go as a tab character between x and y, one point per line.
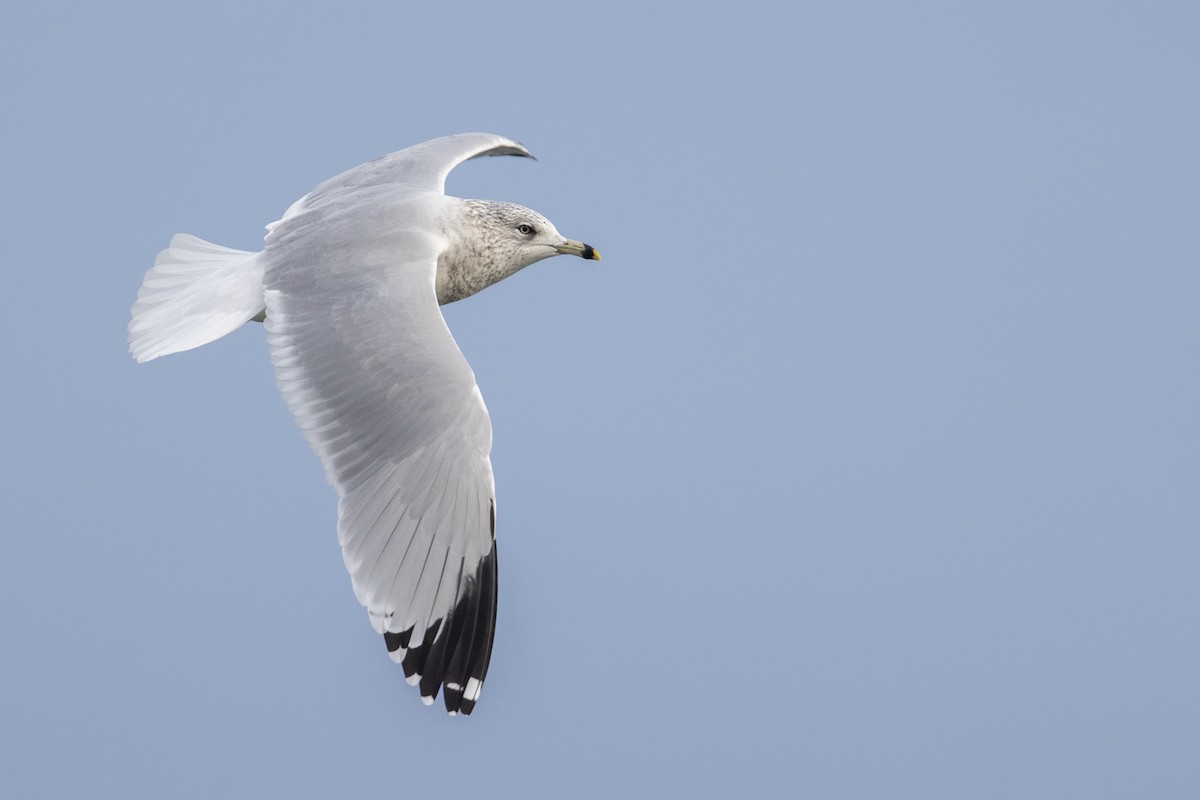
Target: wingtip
451	656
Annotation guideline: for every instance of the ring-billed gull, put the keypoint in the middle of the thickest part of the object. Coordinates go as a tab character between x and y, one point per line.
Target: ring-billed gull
349	285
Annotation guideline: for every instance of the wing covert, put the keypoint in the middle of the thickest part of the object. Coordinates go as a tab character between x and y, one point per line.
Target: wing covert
421	167
385	398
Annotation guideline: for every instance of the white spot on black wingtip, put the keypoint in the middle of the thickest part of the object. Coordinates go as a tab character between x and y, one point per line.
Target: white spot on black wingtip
452	653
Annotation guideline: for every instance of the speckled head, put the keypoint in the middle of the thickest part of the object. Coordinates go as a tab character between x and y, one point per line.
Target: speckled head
488	241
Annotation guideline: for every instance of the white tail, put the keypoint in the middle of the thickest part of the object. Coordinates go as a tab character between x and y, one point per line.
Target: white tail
195	292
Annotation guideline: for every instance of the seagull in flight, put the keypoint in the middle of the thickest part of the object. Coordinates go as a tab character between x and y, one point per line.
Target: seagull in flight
348	287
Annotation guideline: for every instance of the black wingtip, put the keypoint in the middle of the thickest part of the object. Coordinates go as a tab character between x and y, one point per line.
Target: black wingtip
454	654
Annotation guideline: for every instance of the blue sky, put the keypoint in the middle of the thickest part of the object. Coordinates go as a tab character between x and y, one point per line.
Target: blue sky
864	465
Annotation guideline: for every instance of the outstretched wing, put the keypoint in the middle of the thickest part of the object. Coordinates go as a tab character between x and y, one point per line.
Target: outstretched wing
386	399
422	167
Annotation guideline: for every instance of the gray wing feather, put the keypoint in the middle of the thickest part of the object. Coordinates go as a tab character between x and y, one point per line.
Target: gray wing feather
422	167
381	391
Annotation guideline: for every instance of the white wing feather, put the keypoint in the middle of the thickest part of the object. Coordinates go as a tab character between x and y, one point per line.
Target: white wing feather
384	396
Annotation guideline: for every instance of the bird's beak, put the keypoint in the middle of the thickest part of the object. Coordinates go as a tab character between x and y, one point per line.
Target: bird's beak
571	247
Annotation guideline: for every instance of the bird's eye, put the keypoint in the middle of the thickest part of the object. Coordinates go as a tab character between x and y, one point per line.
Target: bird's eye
525	229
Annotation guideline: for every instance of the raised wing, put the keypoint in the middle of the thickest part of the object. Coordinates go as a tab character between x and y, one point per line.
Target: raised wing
422	167
386	399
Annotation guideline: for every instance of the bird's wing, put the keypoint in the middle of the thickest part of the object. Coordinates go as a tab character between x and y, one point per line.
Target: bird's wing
422	167
386	399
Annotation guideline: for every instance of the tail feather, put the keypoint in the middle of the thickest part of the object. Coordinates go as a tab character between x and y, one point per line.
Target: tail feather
196	292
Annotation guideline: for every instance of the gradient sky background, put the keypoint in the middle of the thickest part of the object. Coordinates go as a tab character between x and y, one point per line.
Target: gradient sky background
866	463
